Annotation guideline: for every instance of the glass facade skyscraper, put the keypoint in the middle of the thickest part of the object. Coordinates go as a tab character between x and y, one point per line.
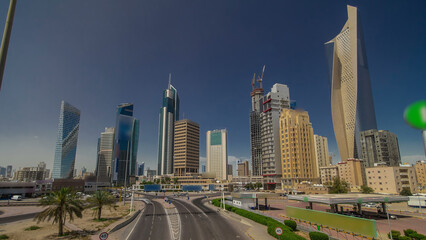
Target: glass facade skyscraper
125	150
66	143
169	113
352	106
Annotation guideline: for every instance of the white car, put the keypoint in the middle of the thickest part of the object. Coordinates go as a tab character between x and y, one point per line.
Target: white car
17	198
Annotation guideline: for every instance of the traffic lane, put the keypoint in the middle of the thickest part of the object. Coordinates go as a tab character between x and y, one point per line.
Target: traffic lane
218	224
15	218
193	225
152	224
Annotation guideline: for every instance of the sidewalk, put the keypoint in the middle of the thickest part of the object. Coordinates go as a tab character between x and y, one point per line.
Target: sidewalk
254	230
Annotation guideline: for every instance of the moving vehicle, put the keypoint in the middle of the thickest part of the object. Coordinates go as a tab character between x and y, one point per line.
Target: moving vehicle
17	198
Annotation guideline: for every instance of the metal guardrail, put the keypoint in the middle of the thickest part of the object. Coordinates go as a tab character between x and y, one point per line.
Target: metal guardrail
125	223
13	203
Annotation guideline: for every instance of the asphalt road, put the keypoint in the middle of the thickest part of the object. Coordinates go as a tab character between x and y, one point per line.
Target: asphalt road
200	222
17	218
151	225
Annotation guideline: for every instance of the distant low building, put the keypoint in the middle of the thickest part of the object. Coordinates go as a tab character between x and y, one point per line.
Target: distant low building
8	189
420	167
76	184
309	188
391	180
352	171
328	173
30	174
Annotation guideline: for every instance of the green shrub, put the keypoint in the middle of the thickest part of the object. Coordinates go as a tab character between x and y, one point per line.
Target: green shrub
292	224
395	234
417	236
267	221
32	228
407	232
4	236
318	236
404	238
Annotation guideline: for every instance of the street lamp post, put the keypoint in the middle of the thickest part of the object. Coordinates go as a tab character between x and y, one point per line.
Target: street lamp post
420	203
387	213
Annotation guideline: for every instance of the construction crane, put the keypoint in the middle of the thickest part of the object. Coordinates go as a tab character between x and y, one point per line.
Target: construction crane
260	79
252	82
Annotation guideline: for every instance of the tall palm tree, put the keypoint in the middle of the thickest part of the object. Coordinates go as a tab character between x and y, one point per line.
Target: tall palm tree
99	200
61	204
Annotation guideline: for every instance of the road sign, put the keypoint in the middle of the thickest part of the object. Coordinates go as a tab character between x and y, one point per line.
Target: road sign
278	231
103	236
415	115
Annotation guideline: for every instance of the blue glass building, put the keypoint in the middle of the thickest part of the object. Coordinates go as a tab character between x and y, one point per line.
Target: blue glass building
125	150
169	113
66	143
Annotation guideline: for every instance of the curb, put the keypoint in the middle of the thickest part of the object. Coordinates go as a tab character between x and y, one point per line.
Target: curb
125	223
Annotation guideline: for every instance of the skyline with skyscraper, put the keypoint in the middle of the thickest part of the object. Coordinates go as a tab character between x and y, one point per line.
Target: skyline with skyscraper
169	113
66	142
125	149
352	106
212	74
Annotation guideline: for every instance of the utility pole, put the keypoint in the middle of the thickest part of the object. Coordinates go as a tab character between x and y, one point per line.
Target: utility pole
6	38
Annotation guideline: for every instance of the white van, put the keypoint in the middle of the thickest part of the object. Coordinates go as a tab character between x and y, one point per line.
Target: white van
17	197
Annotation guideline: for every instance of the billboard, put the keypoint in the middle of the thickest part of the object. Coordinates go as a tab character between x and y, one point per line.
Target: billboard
365	227
152	188
192	188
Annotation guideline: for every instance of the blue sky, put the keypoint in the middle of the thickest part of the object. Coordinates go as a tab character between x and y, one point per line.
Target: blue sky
97	54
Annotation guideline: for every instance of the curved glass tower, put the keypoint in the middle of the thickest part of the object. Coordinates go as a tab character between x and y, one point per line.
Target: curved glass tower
66	143
352	105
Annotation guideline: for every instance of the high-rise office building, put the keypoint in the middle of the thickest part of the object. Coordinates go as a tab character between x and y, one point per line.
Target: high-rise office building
379	146
141	169
255	136
243	168
352	105
104	159
66	143
126	138
9	171
297	149
3	171
169	113
217	153
186	147
321	152
270	106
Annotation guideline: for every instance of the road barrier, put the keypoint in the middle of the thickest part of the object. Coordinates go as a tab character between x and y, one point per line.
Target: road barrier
125	223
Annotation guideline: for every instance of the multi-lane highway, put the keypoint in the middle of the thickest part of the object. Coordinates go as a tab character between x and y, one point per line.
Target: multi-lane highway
196	221
151	224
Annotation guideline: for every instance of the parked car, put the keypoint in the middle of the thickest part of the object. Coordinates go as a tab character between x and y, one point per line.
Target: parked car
17	198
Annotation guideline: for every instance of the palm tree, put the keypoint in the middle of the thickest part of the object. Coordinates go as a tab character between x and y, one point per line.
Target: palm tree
60	204
99	200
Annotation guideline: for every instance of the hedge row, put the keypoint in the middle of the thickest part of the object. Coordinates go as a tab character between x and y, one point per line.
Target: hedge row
409	235
267	221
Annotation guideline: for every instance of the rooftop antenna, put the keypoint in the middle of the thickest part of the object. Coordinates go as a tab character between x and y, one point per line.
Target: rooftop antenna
170	80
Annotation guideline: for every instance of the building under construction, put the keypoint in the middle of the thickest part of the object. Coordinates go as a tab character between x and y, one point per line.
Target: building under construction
255	136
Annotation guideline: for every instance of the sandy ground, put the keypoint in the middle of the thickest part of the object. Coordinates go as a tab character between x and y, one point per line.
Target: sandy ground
16	230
